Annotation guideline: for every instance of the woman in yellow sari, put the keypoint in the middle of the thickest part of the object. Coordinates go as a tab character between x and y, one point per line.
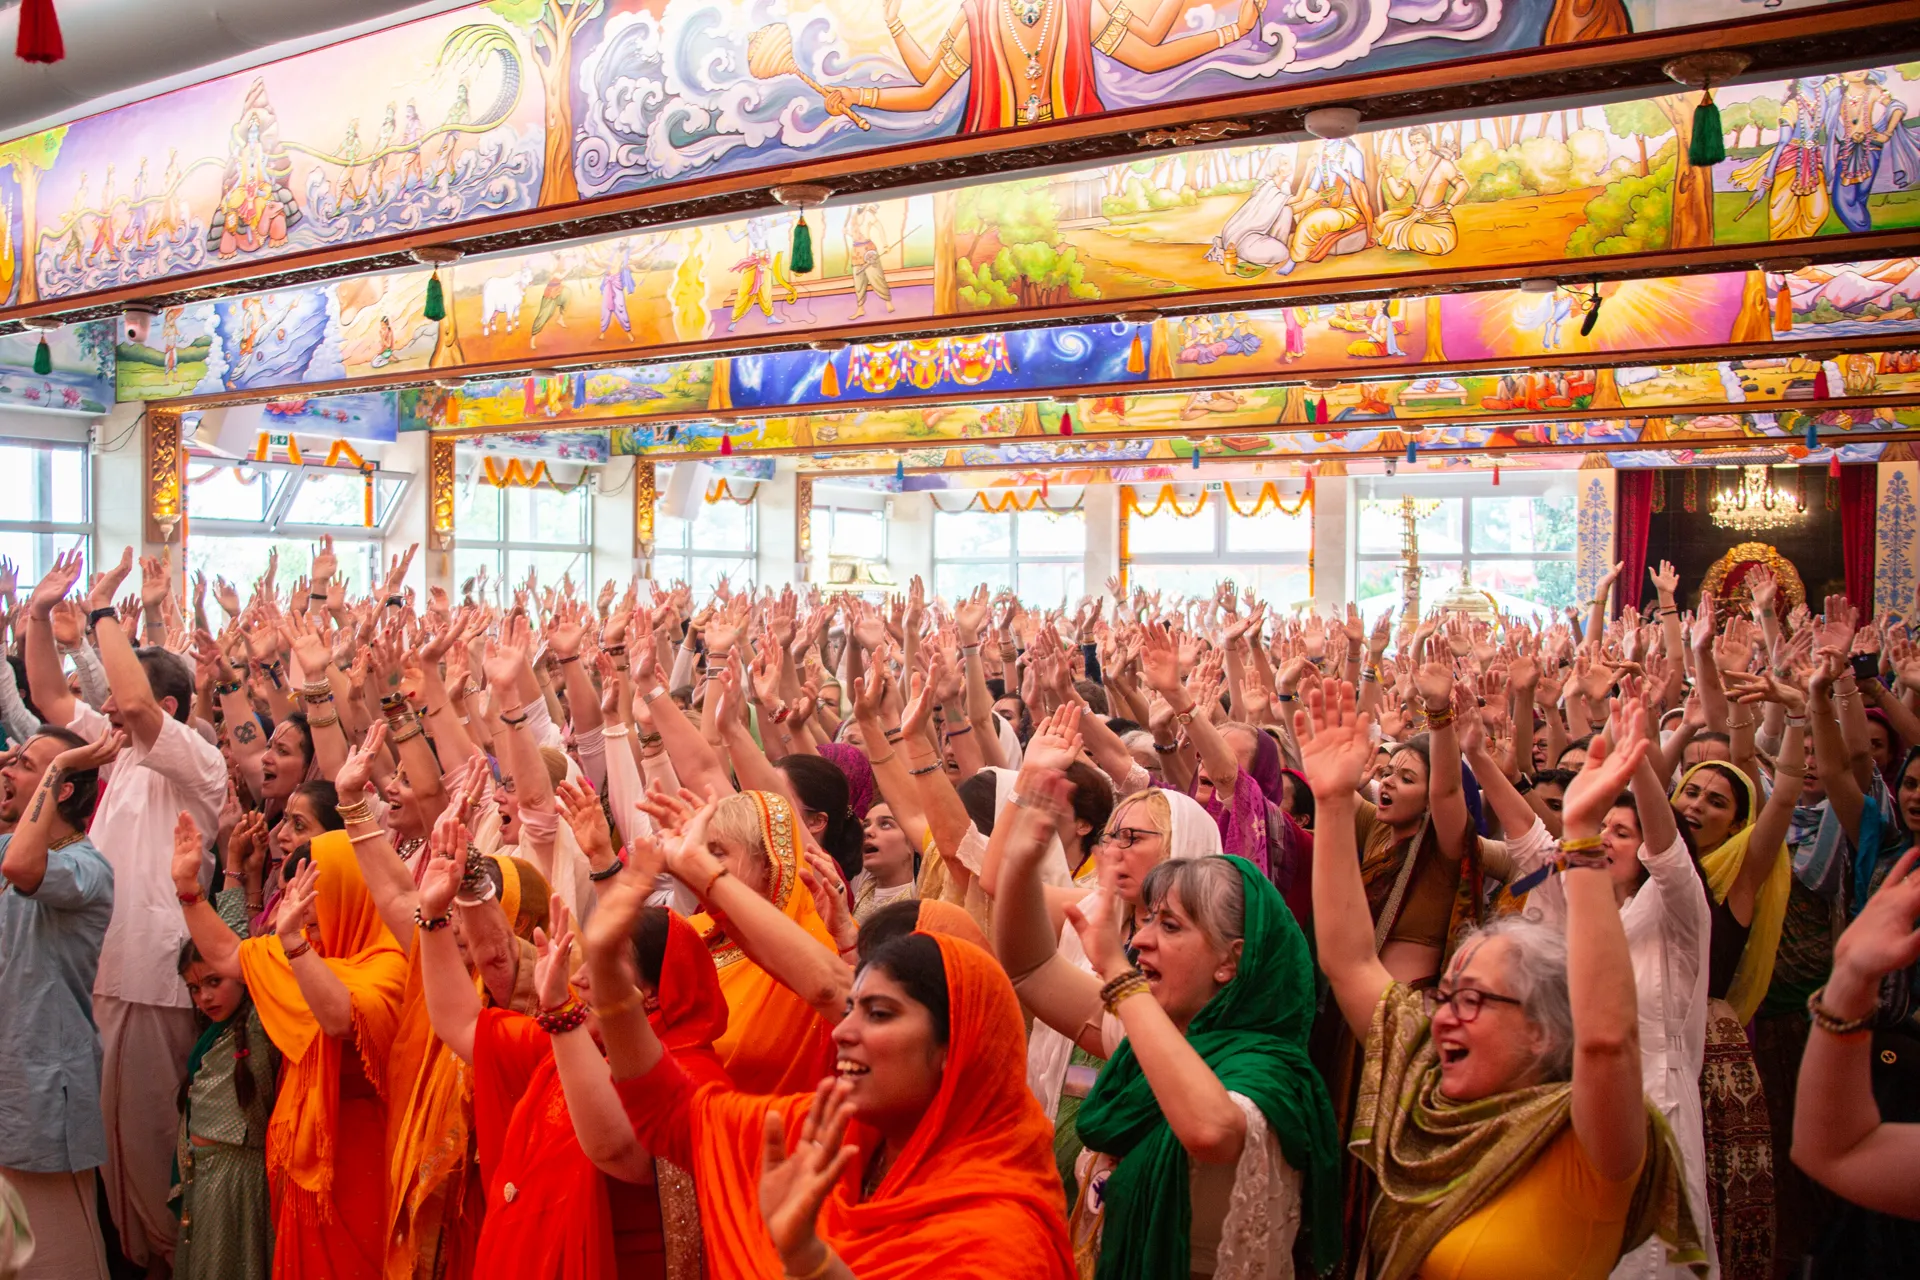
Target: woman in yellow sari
778	1036
329	978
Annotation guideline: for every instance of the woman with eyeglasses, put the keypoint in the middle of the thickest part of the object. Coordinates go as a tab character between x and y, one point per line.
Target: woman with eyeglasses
1501	1112
1211	1143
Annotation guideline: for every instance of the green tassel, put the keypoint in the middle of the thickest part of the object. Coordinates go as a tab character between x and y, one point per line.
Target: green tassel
800	261
1709	144
435	307
43	357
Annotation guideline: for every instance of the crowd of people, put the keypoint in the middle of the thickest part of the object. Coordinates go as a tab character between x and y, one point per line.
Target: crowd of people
541	933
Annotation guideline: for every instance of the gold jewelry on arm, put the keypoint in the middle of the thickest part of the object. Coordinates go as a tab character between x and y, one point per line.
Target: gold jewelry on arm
867	97
1113	33
952	58
1229	33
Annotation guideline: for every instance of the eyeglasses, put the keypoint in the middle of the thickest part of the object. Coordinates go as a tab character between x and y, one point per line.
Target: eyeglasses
1127	837
1466	1003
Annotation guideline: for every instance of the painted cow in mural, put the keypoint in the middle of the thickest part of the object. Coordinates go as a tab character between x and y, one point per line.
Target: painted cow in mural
504	296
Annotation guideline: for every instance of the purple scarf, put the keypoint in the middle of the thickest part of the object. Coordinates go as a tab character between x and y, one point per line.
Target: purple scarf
853	762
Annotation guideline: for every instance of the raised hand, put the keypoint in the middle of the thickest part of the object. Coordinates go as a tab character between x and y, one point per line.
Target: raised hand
1610	765
1096	919
357	772
552	947
1336	740
793	1187
1666	579
581	807
54	587
97	754
189	848
297	905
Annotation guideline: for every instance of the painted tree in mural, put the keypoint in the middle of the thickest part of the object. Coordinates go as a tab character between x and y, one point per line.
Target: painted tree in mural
28	157
1691	219
1638	120
552	25
1009	249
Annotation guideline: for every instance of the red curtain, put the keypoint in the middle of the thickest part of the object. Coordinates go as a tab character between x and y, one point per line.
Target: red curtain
1634	490
1858	488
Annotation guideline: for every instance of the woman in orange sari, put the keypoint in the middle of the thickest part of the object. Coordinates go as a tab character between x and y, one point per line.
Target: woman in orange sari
329	979
777	1037
569	1192
951	1164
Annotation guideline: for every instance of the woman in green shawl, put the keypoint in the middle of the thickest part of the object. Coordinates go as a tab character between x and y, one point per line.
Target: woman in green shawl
1211	1138
1502	1112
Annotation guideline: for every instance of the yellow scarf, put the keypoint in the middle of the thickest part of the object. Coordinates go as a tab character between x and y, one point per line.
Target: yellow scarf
1721	868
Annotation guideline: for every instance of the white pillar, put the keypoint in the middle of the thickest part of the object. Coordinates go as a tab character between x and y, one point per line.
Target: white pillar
409	524
613	523
120	484
778	544
1332	496
1100	510
910	538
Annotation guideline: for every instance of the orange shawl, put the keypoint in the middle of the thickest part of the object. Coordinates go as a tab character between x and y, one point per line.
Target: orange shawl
364	956
944	918
430	1166
975	1187
774	1042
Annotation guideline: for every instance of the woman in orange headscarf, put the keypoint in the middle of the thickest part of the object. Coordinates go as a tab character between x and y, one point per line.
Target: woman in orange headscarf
776	1039
330	977
562	1200
952	1161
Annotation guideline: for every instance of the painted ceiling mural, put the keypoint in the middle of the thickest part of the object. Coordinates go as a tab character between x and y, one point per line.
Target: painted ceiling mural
517	104
1552	188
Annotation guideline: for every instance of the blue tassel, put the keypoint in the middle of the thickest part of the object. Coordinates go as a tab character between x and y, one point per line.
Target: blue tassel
900	471
1813	435
1413	450
1196	457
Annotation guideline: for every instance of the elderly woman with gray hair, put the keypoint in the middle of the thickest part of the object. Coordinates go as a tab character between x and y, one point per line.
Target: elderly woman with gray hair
1501	1113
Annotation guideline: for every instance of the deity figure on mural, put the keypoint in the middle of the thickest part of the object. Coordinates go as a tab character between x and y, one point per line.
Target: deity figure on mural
447	162
761	270
350	189
170	338
136	230
413	168
103	237
382	143
1864	132
251	214
174	213
1032	60
1256	237
863	258
1435	185
1334	213
616	282
553	302
1790	175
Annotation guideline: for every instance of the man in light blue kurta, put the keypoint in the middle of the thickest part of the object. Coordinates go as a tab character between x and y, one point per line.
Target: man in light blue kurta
56	901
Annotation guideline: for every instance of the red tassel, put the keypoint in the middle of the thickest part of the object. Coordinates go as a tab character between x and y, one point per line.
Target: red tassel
726	446
1496	475
1820	388
39	33
1323	409
1833	464
1066	422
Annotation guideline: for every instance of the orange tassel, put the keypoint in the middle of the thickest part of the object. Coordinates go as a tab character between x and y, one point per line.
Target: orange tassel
1783	308
1136	354
830	380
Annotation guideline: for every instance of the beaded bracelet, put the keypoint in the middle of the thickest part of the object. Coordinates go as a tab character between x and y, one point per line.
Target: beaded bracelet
429	925
650	739
1440	719
323	724
923	772
568	1017
613	869
189	899
1130	983
224	690
294	953
316	691
1827	1022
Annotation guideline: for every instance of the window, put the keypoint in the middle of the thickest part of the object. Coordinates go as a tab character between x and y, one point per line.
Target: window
1518	546
1039	555
43	499
1267	550
851	533
512	531
239	515
721	540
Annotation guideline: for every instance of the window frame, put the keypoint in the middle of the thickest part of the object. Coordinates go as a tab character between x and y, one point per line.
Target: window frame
1013	560
690	554
55	536
503	547
1541	485
1221	511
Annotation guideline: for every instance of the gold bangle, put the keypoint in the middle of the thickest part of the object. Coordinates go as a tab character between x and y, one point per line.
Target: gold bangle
826	1264
378	833
355	811
323	724
877	762
1583	844
624	1005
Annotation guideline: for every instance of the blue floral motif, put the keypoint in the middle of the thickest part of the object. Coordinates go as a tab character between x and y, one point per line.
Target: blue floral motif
1594	539
1894	533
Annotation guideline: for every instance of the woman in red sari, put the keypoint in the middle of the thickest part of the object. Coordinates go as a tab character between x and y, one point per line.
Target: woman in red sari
570	1194
952	1165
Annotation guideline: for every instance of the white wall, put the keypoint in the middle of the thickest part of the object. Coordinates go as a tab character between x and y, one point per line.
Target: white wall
613	522
778	546
409	524
1331	498
120	483
1101	511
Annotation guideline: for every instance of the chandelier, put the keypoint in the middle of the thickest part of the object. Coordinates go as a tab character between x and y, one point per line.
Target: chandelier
1746	500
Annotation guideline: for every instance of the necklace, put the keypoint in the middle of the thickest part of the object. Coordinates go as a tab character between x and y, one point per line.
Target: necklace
1029	13
876	1173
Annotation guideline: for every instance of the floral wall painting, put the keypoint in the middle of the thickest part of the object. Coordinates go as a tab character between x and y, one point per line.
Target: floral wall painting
501	107
81	377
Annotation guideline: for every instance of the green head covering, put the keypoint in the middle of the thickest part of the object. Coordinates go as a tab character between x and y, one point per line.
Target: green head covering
1253	1035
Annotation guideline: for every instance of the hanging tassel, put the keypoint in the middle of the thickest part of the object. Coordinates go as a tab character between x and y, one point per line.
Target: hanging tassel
1136	354
42	354
830	379
1833	465
1496	475
800	261
1195	455
1312	413
1066	422
1708	145
1813	435
673	432
899	470
39	39
1783	307
1323	410
1043	490
1593	313
435	307
1413	450
1821	391
726	445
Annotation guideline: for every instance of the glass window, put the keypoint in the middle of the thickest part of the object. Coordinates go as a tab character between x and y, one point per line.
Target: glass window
1039	555
512	531
719	541
238	513
44	507
858	535
1266	551
1517	547
339	500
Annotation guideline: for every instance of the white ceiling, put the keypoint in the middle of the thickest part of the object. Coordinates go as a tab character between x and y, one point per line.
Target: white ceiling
120	51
